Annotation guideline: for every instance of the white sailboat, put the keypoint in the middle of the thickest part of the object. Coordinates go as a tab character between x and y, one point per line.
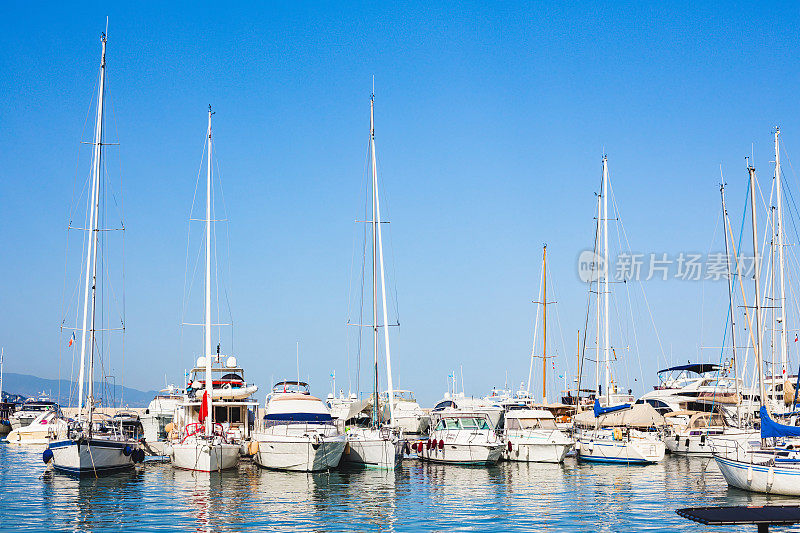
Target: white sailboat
380	445
596	441
93	447
204	446
532	434
769	465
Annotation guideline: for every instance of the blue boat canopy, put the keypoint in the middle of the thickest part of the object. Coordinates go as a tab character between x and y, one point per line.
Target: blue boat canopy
697	368
605	410
771	429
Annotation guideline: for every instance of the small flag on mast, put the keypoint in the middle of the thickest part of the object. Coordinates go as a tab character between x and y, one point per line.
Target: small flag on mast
71	339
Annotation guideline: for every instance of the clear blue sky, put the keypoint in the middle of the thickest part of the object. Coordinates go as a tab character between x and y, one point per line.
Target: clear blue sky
491	123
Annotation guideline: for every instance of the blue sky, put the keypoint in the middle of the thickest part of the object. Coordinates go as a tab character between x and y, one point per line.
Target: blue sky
491	124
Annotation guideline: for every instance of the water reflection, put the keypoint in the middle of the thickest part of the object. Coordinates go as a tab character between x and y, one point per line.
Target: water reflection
417	497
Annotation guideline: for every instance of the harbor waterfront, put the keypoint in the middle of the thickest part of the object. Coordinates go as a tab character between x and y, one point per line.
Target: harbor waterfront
418	496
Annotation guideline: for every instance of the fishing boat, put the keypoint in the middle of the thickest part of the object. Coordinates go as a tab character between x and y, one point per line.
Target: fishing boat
297	433
461	437
614	431
533	436
204	445
381	444
93	446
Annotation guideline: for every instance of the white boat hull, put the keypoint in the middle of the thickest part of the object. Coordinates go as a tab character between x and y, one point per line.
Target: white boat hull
203	456
299	453
625	451
369	448
457	453
38	435
92	457
536	452
701	445
768	479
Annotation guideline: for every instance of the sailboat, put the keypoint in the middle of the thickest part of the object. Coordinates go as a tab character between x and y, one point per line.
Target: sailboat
531	433
379	445
611	433
771	465
204	445
91	446
5	408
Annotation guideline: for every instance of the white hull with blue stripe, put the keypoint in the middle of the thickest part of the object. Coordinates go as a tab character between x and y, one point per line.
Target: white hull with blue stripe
313	451
94	456
756	475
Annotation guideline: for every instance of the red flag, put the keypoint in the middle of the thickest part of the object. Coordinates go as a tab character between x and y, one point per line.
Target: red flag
204	407
795	337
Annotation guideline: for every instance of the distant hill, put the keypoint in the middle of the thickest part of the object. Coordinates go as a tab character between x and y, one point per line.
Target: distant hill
33	386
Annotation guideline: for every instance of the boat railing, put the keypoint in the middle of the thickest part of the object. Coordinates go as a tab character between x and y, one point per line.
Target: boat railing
295	426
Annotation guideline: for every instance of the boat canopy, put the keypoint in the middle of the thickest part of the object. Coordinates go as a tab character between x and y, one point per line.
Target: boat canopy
770	428
641	415
697	368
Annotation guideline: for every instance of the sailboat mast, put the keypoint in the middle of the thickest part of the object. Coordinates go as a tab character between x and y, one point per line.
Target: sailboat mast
544	325
2	354
730	306
383	276
606	341
782	307
756	271
598	353
207	326
376	410
91	250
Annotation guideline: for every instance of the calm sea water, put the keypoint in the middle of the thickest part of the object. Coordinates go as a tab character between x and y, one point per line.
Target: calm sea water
508	497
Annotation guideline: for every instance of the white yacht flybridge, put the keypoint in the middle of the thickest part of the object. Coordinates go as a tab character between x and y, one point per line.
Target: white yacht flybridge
92	447
205	445
613	431
381	444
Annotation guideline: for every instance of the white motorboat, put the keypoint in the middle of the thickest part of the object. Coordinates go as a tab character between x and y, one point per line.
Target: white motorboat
31	409
377	447
94	446
46	427
695	436
214	426
409	417
458	401
160	413
532	436
619	434
297	432
461	437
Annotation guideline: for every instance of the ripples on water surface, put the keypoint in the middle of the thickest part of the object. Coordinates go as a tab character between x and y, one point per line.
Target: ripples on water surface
508	497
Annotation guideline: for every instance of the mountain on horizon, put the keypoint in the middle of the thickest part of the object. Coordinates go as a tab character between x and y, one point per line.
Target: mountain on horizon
59	390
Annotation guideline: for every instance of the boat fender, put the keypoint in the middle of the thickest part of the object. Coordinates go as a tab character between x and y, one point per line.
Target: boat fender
441	444
252	448
127	450
406	448
703	439
47	455
137	455
316	442
510	446
428	444
414	446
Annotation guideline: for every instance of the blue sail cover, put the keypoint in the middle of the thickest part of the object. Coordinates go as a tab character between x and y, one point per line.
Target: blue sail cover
771	429
605	410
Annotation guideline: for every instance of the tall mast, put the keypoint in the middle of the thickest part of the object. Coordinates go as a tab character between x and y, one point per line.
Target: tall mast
544	325
207	327
380	255
606	341
756	271
598	353
779	229
2	353
376	410
730	305
90	277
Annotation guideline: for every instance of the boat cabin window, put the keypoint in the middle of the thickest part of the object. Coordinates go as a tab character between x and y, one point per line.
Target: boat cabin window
531	423
451	423
443	405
